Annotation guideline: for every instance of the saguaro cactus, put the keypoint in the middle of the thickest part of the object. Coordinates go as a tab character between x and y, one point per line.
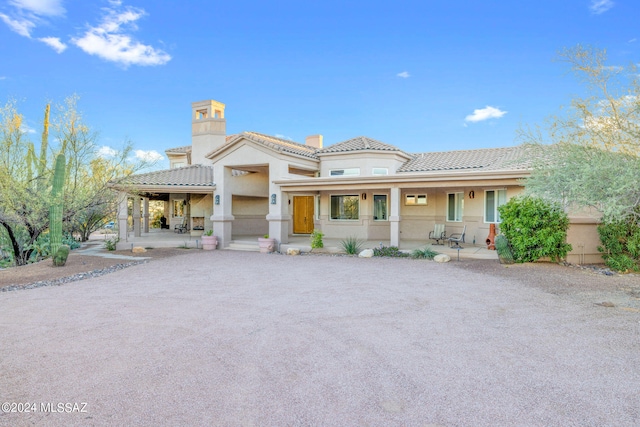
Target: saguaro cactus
55	209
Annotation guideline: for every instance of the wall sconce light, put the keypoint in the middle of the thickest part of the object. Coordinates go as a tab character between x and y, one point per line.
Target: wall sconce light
217	199
273	199
364	196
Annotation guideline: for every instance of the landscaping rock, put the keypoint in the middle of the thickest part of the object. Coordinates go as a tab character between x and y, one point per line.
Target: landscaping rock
442	258
138	250
293	251
367	253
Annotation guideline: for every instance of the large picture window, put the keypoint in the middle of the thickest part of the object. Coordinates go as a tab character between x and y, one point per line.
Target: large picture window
345	207
455	206
380	207
493	199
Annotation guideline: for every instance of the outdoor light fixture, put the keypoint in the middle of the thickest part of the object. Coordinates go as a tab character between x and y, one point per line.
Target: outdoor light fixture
217	200
273	199
364	196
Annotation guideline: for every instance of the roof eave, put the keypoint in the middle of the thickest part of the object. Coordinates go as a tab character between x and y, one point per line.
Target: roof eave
408	177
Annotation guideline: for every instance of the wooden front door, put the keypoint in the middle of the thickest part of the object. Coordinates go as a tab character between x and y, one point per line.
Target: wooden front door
302	214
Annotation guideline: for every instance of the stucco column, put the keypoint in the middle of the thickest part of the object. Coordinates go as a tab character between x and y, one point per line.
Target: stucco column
122	216
146	214
278	216
136	216
394	217
222	208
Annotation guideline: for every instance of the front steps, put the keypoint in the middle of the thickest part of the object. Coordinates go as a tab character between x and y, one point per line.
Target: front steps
244	245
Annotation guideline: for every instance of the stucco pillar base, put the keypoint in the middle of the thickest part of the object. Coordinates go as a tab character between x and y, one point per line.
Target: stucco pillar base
279	227
394	224
222	226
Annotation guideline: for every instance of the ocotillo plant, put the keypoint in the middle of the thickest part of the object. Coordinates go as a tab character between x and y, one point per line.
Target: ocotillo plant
55	209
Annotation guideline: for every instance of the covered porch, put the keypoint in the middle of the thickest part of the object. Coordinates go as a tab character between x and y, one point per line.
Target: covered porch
157	238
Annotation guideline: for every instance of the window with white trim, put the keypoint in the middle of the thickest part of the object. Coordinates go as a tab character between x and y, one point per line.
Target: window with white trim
345	207
415	199
345	172
380	171
455	206
380	212
492	200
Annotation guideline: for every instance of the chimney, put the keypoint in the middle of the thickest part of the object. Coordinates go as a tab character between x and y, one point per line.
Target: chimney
314	141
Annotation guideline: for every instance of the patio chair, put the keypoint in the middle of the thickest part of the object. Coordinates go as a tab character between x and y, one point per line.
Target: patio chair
457	238
182	228
438	234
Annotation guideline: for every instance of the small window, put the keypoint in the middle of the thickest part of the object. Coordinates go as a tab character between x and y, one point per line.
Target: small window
345	207
380	207
415	199
493	199
455	206
345	172
178	208
201	114
317	198
380	171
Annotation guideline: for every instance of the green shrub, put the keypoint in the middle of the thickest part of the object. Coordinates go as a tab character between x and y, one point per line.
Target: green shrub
389	251
316	240
351	245
535	228
620	244
110	244
424	253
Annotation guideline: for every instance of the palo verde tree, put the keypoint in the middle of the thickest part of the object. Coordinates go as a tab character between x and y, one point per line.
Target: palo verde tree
589	156
26	177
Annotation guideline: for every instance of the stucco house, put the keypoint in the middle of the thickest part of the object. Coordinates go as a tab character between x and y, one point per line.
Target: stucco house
251	184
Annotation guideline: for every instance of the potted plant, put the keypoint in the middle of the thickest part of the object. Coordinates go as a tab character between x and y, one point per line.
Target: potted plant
266	244
209	241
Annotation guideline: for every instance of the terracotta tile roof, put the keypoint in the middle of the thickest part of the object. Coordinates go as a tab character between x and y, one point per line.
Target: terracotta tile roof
481	159
360	143
178	150
189	176
272	142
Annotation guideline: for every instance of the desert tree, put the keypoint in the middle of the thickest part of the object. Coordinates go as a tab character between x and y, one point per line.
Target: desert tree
588	155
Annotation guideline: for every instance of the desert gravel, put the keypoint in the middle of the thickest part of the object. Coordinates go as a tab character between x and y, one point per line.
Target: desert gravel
245	339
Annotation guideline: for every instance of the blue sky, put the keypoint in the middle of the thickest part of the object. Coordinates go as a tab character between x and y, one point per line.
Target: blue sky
421	75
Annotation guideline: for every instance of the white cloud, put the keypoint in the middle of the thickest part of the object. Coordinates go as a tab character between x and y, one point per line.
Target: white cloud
148	156
27	14
18	25
3	77
110	40
404	75
278	135
633	40
40	7
107	152
485	114
600	6
54	43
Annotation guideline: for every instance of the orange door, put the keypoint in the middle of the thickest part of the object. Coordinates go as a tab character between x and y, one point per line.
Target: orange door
302	214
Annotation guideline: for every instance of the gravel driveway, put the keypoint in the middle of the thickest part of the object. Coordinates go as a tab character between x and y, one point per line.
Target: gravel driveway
246	339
